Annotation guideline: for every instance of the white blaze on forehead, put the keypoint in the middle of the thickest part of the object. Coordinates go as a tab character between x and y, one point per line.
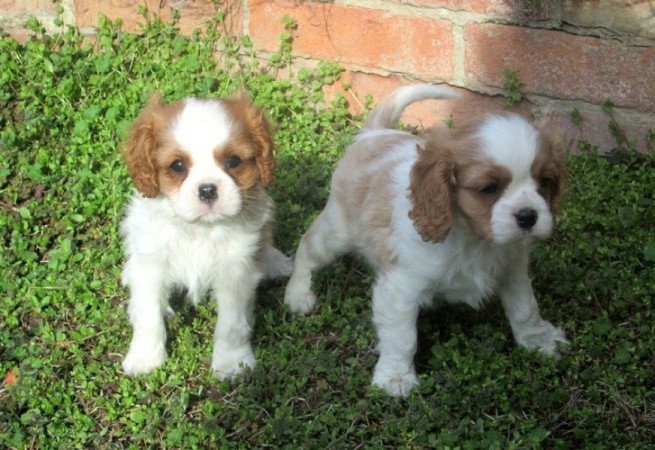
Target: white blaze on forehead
202	126
510	141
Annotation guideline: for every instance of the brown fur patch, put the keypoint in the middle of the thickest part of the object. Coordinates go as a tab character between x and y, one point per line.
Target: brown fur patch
549	170
371	200
169	180
475	204
252	143
246	173
430	192
145	137
365	196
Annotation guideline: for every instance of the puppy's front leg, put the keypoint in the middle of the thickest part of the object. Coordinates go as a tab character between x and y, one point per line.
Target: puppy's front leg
522	310
235	299
395	309
147	307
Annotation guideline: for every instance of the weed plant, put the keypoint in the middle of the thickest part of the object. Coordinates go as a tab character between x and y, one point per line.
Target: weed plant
65	104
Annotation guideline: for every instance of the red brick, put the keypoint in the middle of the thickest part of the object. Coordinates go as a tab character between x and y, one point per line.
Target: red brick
595	125
21	35
24	8
193	13
553	116
421	114
503	7
88	11
366	37
14	15
361	85
562	65
634	17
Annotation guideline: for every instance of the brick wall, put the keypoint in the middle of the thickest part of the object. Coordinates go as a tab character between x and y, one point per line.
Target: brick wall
568	53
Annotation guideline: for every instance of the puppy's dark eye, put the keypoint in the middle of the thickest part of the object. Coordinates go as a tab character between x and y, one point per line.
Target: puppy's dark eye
178	166
490	189
232	162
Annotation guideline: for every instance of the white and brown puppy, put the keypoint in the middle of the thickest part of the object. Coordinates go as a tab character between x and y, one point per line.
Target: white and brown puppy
451	213
200	220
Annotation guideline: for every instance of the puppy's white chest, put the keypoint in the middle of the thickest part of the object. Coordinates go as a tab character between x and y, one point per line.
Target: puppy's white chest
201	261
467	275
472	286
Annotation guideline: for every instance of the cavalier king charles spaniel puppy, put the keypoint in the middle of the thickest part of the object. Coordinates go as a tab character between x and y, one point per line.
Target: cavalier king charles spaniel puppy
450	213
201	220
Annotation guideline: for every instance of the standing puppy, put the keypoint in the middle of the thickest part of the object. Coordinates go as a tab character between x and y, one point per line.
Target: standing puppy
451	213
200	220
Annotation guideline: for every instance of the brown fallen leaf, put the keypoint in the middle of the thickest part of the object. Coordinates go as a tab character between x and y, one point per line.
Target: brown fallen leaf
10	378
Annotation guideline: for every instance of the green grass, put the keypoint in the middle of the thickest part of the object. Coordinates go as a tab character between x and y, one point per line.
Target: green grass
64	107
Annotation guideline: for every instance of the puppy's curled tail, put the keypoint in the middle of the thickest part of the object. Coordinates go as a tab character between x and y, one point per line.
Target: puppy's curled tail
387	113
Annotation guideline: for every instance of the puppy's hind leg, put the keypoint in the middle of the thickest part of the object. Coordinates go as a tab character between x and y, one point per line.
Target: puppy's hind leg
326	240
276	264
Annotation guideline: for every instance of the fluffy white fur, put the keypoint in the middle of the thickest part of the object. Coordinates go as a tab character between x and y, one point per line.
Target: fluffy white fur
368	212
176	239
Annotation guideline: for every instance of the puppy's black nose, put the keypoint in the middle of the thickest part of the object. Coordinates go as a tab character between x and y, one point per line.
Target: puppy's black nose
526	218
207	192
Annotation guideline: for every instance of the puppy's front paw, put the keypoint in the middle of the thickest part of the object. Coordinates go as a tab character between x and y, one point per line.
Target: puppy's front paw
300	301
299	296
544	337
144	356
395	383
228	363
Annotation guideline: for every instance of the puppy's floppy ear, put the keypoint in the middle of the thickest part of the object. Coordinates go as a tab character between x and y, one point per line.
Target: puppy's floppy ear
140	147
259	131
430	191
555	149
